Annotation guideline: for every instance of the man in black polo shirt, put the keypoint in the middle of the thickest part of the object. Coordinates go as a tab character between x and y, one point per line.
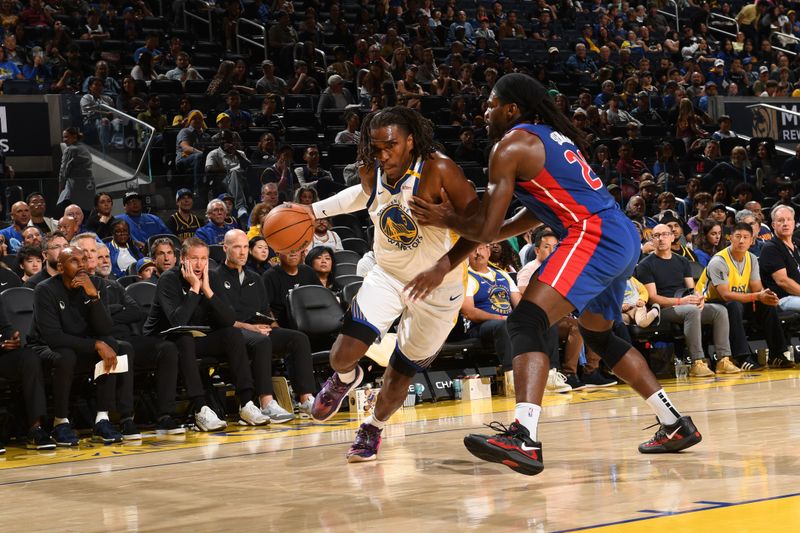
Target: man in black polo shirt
71	326
184	297
780	260
289	274
244	292
51	246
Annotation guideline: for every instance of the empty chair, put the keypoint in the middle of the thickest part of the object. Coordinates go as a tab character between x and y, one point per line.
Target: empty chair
345	269
344	232
18	303
129	280
344	281
217	253
346	256
359	246
349	292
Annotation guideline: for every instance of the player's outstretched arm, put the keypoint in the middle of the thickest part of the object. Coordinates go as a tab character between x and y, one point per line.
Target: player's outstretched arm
350	200
482	223
518	224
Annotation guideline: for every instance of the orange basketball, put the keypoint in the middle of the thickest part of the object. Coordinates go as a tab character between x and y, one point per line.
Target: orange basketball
288	228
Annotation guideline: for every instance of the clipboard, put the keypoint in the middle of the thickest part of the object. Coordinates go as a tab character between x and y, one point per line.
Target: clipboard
260	318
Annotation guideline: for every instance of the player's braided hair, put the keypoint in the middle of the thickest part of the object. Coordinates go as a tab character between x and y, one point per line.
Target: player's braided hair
411	121
535	105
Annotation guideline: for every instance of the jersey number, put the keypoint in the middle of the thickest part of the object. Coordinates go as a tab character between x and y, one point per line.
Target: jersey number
576	157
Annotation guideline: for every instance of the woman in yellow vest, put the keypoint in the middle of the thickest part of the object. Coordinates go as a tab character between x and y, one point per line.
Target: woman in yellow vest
732	278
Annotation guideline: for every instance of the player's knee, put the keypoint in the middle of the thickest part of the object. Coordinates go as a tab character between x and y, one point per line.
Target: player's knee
606	344
527	327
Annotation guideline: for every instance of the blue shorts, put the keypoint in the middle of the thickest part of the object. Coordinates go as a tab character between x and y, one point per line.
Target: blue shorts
591	266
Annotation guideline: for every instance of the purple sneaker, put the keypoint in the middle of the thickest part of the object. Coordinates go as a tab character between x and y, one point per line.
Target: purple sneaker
365	447
333	393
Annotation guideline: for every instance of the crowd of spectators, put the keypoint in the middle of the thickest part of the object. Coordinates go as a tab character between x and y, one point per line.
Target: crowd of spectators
237	131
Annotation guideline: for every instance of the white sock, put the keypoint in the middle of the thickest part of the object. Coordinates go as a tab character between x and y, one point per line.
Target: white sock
101	415
347	377
527	415
662	407
57	421
371	419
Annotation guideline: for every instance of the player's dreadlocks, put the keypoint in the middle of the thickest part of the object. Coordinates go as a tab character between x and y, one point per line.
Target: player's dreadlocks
411	121
535	105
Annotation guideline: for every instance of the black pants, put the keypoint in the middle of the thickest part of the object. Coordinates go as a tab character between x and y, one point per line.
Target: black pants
224	343
494	332
259	348
295	348
766	317
163	356
23	365
114	391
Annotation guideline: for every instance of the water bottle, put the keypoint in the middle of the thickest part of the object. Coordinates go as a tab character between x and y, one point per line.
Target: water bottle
681	368
418	391
457	387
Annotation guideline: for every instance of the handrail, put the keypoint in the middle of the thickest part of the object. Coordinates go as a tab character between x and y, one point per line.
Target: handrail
675	15
239	37
725	17
144	152
209	4
789	35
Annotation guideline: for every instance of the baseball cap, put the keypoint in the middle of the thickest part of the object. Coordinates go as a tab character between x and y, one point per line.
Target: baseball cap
763	69
267	63
142	263
183	192
222	116
193	113
718	205
612	187
225	196
552	50
131	196
668	217
646	183
719	63
711	84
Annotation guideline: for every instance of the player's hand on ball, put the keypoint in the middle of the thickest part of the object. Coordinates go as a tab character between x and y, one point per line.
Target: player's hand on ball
431	214
425	282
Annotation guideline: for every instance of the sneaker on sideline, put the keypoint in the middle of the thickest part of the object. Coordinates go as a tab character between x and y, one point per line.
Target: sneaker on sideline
129	430
750	363
250	415
726	366
596	379
64	435
333	393
366	445
700	369
39	439
780	362
304	408
166	425
276	413
556	382
207	420
575	382
105	432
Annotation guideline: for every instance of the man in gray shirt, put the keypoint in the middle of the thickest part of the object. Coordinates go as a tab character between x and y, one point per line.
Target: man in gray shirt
269	82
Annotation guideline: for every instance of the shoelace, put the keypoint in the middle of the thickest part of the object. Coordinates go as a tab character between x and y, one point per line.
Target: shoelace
502	429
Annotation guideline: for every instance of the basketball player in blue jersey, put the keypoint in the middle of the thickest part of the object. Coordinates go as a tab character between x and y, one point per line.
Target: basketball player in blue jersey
536	159
420	271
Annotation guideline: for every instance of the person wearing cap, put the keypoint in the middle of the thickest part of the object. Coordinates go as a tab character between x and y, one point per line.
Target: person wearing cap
145	269
711	90
183	222
409	90
142	225
546	29
229	206
644	113
226	165
336	96
189	146
269	83
224	123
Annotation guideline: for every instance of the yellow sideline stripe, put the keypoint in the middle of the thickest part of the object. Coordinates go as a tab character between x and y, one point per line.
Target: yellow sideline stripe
18	457
774	515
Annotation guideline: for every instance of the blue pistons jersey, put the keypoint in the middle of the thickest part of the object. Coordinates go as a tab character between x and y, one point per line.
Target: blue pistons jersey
403	247
566	191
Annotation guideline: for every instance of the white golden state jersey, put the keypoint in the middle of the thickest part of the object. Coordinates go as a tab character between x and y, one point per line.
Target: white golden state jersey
404	248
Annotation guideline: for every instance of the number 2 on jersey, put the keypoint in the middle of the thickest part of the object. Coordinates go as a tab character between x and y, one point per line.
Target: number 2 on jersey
588	176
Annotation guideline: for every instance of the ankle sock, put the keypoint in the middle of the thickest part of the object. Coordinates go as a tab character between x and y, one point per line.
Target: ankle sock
57	421
101	415
661	405
347	377
371	419
527	415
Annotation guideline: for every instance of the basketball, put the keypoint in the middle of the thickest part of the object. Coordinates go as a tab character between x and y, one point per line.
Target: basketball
288	228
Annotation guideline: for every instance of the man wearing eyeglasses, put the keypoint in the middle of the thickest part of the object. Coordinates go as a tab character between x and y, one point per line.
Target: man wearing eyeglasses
667	276
51	247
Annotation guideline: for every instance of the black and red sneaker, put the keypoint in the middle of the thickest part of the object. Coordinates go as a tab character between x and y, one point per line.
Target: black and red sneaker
511	446
673	438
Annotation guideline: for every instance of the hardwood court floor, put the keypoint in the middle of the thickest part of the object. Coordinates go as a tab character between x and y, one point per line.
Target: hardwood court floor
744	476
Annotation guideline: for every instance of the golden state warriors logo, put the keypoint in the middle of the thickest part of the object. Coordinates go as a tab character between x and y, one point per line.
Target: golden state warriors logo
765	123
398	226
498	297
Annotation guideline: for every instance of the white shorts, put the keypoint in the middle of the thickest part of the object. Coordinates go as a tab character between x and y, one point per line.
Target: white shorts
424	324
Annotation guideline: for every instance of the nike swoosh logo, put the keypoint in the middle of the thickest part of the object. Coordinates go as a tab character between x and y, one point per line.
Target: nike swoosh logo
87	302
3	284
529	448
454	298
251	283
673	434
324	212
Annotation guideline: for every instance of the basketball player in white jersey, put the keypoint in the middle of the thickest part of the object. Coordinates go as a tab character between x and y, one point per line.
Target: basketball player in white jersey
420	272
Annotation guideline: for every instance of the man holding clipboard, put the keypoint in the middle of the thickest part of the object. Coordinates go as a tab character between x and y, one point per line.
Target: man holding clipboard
72	327
188	312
